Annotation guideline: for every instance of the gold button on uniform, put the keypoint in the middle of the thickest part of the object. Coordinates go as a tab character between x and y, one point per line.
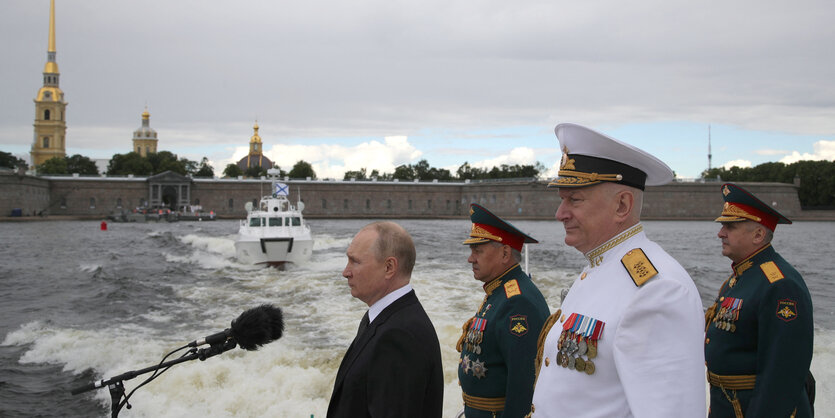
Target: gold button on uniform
721	299
562	318
583	276
707	340
547	361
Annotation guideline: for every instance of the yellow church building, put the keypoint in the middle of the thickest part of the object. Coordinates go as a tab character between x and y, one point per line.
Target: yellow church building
50	107
145	138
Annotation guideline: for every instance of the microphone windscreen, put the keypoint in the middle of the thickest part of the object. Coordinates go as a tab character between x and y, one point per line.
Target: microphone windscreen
258	326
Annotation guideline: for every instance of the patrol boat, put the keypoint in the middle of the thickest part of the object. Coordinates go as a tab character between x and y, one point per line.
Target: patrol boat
274	233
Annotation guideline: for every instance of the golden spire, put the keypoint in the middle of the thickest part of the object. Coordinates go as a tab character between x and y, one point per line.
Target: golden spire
255	137
51	26
51	66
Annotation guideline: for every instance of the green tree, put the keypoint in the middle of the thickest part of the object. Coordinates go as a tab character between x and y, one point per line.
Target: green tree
817	183
191	166
301	170
421	170
404	172
205	170
439	174
54	165
376	174
130	163
81	165
255	171
232	170
167	161
359	175
10	161
817	179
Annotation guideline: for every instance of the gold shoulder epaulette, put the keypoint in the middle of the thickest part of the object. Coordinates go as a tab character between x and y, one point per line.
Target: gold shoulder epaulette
772	272
511	288
638	266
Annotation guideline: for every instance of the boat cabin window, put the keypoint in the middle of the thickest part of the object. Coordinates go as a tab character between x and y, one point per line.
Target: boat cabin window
275	221
295	221
255	222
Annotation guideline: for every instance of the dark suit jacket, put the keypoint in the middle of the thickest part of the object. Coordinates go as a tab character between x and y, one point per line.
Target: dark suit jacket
393	369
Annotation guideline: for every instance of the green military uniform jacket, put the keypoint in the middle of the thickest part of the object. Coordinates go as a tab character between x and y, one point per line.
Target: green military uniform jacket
761	325
498	346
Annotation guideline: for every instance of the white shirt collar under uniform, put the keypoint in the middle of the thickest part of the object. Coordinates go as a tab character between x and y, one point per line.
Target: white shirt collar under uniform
387	300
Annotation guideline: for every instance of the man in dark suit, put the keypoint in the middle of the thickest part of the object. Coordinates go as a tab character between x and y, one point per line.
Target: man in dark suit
393	366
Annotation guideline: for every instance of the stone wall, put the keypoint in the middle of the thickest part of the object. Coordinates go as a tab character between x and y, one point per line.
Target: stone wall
19	191
98	196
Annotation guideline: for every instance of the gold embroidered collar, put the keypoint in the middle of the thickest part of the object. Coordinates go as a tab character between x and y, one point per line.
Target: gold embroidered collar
745	264
490	286
595	256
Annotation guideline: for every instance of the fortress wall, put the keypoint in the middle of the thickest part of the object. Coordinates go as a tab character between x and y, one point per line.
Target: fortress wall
367	199
27	193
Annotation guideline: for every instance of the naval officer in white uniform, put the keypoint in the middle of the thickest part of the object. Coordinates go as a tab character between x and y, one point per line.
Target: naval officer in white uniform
627	341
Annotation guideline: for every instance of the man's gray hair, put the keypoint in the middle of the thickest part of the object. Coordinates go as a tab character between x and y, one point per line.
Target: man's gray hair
516	254
394	241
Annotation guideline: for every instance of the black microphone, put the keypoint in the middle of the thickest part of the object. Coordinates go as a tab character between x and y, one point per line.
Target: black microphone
252	329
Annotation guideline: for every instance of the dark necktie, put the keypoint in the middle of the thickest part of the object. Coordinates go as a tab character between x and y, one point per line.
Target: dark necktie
363	325
360	331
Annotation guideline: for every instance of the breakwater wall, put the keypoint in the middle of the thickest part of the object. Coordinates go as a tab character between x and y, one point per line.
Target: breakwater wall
518	199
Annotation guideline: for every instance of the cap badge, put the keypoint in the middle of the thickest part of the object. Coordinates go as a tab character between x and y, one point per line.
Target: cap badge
566	163
726	191
471	211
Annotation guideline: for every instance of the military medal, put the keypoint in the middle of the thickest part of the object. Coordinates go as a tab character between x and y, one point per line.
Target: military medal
479	369
465	364
475	335
579	338
589	367
594	333
579	364
728	314
592	349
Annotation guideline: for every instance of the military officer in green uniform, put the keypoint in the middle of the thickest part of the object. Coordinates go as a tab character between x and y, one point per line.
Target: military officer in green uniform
758	341
498	344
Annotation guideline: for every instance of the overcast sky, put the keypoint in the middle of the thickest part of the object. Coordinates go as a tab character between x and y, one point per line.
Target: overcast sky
375	84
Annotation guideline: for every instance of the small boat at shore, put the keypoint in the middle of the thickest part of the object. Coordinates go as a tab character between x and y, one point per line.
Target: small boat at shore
274	233
143	214
194	213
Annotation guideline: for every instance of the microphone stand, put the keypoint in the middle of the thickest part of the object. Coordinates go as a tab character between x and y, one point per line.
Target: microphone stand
117	388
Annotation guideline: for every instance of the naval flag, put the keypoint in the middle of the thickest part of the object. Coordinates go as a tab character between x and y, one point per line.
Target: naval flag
281	189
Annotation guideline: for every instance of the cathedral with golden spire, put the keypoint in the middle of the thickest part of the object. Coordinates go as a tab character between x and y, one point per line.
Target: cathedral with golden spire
50	107
256	157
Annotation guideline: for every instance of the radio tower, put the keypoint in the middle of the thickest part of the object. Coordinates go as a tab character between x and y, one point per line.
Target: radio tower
709	155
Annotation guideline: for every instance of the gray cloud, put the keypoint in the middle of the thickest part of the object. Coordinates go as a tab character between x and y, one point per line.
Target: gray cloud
319	69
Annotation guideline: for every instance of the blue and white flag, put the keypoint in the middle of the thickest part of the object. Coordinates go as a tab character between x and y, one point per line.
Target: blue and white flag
281	189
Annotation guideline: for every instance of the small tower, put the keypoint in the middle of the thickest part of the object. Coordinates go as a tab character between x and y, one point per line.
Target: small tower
256	157
145	138
709	155
50	124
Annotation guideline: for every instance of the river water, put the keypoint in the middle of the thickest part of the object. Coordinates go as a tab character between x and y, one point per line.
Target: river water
79	304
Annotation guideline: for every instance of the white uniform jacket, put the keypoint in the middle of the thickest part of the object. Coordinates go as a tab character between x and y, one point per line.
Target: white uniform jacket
650	357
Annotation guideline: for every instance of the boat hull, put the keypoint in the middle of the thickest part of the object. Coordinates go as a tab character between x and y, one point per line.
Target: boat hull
274	251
